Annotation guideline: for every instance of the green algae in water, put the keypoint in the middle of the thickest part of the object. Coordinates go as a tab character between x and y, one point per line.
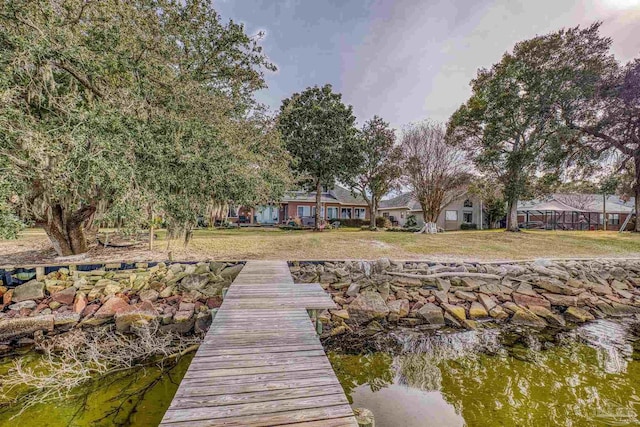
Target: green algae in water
135	397
574	382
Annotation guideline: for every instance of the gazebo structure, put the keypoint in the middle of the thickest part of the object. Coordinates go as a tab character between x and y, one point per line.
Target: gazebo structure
574	212
555	215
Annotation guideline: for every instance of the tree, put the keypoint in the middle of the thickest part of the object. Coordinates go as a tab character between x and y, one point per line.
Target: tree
318	131
493	204
375	164
128	107
435	171
510	126
608	114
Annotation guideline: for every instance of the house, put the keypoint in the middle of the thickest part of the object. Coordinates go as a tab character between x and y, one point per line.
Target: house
564	211
464	210
337	203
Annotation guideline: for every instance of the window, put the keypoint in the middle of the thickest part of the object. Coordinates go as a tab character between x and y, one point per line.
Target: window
468	204
233	212
467	217
332	213
304	211
313	212
345	213
360	213
385	215
614	219
451	215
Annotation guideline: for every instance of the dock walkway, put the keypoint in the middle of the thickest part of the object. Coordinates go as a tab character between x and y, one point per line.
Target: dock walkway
261	363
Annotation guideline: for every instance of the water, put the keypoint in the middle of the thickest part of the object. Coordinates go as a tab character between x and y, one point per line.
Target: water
136	397
587	377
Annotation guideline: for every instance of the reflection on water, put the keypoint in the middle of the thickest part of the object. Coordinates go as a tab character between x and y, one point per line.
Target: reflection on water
587	377
137	397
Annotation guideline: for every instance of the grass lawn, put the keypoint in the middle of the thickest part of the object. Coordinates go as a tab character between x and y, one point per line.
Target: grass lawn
267	243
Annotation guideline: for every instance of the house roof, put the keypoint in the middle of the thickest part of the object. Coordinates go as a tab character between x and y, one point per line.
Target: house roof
578	203
337	195
402	201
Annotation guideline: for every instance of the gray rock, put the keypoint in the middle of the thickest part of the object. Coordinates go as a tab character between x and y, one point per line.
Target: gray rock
577	315
368	306
23	304
149	295
486	301
432	314
231	272
441	296
562	300
32	290
525	317
21	326
353	290
443	284
558	288
65	321
466	296
195	282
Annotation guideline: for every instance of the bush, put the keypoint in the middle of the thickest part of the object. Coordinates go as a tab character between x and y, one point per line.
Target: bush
405	229
465	226
352	222
411	222
382	222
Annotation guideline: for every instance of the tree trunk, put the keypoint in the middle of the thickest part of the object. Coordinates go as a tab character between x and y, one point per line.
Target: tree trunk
150	227
373	213
512	215
636	190
316	222
67	230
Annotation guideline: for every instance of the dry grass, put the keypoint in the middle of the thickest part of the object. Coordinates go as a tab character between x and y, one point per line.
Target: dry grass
266	243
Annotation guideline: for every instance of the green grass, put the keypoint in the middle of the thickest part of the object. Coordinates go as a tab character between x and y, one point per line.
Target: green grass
270	243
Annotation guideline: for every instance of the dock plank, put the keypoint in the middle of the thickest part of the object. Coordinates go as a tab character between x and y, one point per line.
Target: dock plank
261	363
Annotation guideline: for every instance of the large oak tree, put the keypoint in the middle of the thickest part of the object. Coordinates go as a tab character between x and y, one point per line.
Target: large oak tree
319	133
511	127
128	107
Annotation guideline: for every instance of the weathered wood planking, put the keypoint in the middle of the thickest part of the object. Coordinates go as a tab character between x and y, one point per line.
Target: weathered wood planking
261	363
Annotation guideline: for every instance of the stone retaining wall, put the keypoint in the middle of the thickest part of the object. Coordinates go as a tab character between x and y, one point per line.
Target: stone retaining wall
541	293
179	297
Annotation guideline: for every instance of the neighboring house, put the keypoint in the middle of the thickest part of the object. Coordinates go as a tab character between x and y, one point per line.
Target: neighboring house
465	209
336	204
574	212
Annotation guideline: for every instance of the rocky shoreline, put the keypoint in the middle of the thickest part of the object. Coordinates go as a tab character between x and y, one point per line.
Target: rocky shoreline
373	296
177	297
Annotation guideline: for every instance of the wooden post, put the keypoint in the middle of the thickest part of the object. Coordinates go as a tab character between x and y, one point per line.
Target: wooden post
604	211
150	227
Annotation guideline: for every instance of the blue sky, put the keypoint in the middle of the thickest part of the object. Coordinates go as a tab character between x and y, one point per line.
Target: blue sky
408	60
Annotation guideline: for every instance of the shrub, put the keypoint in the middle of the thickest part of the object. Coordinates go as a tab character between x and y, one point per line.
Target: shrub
353	222
382	222
411	221
404	229
465	226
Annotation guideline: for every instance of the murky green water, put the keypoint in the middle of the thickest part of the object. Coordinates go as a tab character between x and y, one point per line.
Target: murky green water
590	377
137	397
587	377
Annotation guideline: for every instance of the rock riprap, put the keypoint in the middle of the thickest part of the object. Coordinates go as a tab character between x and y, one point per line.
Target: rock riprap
177	297
539	294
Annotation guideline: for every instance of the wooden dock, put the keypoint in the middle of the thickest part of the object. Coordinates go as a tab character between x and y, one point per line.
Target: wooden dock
261	363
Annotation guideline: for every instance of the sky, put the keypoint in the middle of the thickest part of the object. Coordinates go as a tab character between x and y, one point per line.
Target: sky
409	60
